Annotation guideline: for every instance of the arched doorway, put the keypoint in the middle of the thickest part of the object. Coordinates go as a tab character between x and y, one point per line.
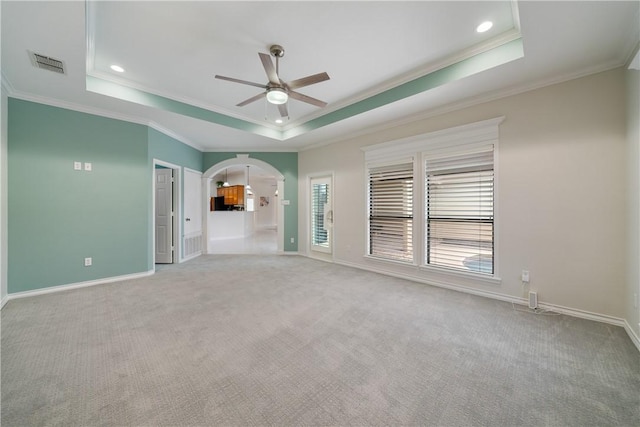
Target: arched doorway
221	167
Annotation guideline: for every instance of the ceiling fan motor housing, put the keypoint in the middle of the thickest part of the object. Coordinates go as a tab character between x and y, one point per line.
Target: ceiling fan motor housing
277	50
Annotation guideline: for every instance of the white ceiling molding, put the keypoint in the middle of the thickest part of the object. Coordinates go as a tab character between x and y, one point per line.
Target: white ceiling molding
492	43
6	84
635	62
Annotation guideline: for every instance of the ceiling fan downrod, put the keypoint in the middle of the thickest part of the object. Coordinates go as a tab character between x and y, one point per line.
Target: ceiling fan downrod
277	51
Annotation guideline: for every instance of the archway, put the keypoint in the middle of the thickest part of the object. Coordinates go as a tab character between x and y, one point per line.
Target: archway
243	160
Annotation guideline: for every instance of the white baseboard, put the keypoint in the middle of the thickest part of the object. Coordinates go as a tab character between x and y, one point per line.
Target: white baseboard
635	338
508	298
70	286
190	257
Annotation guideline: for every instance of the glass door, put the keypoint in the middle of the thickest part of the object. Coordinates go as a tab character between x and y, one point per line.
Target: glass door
321	214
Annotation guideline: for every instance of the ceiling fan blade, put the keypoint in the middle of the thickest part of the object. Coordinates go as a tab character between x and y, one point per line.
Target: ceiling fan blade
252	99
283	110
307	99
244	82
309	80
269	68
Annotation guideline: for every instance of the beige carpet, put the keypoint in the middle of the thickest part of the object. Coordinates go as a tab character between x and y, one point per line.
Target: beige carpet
288	341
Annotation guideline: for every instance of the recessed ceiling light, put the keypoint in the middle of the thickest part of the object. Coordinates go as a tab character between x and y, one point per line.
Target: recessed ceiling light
278	121
485	26
117	68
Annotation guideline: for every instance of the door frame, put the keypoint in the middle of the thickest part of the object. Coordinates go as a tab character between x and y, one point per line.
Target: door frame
312	253
176	206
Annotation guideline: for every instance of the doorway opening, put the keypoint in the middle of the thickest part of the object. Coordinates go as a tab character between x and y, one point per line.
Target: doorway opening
243	213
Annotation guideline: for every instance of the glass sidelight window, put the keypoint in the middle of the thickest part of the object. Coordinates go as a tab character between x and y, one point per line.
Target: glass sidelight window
321	214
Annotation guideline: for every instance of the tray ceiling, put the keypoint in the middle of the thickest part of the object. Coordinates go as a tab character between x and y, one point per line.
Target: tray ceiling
387	61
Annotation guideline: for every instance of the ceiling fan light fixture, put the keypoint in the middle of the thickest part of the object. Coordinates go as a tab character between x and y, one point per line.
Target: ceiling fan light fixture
277	96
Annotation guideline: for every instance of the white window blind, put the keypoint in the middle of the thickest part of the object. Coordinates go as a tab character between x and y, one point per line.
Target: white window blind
459	210
391	212
319	199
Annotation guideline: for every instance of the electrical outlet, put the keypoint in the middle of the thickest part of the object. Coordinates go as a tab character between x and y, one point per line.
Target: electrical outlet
88	167
88	262
293	240
77	166
525	276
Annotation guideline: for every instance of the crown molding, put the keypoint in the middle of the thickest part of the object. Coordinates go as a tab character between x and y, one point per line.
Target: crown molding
251	150
493	43
174	135
6	84
631	45
469	102
185	100
102	113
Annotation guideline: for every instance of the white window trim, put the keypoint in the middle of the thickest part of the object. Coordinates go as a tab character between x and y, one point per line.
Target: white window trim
390	152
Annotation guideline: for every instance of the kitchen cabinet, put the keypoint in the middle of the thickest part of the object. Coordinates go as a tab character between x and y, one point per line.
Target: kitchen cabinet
233	195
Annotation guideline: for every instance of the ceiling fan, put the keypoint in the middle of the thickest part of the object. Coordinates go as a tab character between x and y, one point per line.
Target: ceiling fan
278	91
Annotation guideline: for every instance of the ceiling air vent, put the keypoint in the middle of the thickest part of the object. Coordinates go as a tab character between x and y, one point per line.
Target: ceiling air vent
47	63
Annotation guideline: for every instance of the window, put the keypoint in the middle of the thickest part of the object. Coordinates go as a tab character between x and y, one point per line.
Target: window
391	212
459	210
321	214
446	179
318	201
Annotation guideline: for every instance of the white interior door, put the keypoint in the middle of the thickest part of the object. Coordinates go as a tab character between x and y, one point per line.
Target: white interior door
164	216
192	202
321	214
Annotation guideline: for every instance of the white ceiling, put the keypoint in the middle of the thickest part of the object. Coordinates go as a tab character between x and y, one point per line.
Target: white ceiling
173	49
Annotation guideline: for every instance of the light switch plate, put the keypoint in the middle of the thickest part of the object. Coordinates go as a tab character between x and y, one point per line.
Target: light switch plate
77	166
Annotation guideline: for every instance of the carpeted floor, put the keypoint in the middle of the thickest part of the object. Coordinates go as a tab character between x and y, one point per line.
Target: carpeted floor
288	341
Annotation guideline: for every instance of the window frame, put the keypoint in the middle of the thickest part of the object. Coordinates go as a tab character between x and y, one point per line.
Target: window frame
465	136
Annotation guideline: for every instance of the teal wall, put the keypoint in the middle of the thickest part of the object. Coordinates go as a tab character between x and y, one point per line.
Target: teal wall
165	148
59	216
287	164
